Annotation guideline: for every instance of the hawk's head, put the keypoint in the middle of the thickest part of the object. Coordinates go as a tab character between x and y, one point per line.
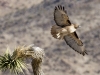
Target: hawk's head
76	26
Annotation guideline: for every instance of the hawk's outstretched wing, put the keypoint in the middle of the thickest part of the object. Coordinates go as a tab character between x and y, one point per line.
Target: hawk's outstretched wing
60	16
75	43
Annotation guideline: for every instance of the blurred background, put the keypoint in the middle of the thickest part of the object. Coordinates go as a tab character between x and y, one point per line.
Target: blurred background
24	22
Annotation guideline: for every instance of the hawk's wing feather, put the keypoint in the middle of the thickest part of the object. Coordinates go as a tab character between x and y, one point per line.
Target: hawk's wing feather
60	16
75	43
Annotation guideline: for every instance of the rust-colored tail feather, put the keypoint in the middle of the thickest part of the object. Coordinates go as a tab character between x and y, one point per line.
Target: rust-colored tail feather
55	31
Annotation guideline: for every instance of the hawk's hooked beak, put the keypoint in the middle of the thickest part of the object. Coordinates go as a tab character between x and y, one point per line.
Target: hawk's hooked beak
77	26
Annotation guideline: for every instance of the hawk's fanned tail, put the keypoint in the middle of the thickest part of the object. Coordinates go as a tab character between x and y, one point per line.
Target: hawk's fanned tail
55	31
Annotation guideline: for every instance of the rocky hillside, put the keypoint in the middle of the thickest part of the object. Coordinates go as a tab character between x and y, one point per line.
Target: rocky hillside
29	21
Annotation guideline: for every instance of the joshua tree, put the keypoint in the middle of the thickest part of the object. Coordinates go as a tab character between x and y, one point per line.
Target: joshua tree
15	63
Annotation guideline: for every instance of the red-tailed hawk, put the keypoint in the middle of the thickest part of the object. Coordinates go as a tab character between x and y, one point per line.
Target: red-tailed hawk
64	29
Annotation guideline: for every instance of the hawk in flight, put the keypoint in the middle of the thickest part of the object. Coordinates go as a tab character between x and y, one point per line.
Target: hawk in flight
64	29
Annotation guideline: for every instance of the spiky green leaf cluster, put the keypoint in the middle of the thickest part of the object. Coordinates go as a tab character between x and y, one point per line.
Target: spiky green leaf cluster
14	65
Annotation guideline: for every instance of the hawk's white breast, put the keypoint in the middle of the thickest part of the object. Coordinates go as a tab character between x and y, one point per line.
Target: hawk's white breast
71	28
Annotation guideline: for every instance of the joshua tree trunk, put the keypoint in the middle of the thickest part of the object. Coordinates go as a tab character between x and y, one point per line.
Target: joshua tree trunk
36	66
37	58
36	53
